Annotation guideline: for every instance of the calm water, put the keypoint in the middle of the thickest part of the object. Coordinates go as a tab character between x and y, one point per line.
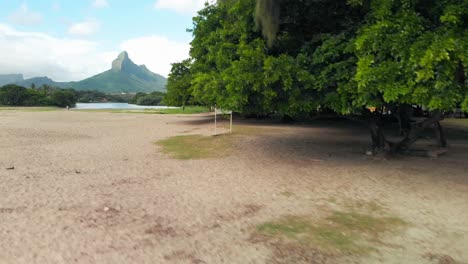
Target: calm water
116	106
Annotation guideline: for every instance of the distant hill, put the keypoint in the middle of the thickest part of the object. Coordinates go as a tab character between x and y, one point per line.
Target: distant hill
10	78
124	76
38	81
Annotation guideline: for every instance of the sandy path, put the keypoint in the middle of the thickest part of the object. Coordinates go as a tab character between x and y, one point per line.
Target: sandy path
93	188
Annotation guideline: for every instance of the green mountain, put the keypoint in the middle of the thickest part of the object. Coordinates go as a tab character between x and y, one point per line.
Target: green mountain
124	76
10	78
38	81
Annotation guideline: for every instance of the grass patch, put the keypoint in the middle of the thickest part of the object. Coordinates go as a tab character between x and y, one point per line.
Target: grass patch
30	109
331	239
197	146
364	223
341	232
291	227
187	110
174	111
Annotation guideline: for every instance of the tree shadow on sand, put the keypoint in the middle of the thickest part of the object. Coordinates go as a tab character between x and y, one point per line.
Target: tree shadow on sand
344	143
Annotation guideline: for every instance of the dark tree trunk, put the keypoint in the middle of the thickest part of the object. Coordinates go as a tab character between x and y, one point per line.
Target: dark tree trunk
412	132
376	130
440	135
416	131
404	115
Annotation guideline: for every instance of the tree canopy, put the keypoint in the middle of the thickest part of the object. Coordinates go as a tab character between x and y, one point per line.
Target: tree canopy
14	95
343	55
296	57
179	91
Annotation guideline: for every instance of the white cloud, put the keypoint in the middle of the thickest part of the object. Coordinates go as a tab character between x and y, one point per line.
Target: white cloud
37	54
189	7
100	3
85	28
156	52
24	16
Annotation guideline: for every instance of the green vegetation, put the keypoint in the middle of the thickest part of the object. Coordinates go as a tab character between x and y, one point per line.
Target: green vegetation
197	146
14	95
174	111
202	147
341	232
178	83
117	81
45	95
180	111
348	57
98	97
364	223
29	109
154	98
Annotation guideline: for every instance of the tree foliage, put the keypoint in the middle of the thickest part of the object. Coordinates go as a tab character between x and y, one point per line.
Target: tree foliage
178	85
14	95
154	98
342	55
413	52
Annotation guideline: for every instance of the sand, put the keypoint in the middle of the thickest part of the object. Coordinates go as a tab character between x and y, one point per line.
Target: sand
94	188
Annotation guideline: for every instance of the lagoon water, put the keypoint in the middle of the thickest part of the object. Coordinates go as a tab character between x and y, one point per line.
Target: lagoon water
116	106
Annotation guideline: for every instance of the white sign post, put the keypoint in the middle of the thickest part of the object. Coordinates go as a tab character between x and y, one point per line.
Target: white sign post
230	125
224	112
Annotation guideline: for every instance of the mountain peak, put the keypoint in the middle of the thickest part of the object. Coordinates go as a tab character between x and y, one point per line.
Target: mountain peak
125	76
121	62
123	55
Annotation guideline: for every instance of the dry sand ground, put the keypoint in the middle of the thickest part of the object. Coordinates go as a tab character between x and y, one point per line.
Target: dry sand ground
93	188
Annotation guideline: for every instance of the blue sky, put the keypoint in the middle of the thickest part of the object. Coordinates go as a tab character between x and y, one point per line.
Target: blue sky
72	40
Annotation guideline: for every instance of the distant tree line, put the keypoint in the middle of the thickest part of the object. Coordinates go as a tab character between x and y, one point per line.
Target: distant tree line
46	95
14	95
154	98
100	97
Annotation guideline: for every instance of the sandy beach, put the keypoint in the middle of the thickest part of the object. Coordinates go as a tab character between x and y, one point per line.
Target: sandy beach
85	187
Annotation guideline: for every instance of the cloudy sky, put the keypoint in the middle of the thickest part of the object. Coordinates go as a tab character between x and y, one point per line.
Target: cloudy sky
72	40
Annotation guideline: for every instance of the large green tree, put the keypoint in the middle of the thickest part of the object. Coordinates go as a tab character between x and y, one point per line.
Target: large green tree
348	56
390	55
228	57
178	87
413	53
235	68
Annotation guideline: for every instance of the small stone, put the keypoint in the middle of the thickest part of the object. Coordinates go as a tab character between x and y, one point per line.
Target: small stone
106	209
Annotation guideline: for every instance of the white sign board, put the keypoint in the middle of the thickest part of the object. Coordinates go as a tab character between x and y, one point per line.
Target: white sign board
223	112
